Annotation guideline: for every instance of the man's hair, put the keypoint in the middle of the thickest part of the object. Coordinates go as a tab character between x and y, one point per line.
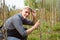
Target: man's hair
27	7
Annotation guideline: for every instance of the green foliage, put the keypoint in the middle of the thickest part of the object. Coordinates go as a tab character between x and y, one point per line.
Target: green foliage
34	35
31	3
57	27
46	33
54	36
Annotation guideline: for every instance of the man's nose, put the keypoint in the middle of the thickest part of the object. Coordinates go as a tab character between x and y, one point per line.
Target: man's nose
27	14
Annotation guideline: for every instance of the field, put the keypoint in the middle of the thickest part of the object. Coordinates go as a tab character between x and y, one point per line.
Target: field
46	33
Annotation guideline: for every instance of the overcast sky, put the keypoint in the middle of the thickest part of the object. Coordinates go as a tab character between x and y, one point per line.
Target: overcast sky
18	3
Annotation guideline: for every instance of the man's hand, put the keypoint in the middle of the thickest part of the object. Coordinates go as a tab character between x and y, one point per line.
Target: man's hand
33	13
37	24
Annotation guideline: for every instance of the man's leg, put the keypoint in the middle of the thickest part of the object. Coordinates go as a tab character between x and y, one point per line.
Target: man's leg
12	38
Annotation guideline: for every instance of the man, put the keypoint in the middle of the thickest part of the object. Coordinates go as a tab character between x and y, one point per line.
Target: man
14	25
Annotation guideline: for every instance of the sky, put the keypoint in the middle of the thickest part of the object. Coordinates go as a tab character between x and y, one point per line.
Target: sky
18	3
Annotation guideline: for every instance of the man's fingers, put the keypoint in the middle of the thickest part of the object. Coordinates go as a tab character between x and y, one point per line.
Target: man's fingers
38	21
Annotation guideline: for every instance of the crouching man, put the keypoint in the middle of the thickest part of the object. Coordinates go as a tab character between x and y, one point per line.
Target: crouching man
14	24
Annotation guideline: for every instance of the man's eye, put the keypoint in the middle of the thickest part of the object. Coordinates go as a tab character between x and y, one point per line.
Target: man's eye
26	12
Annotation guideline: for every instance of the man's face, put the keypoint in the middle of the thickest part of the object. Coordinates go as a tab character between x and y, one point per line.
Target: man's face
25	13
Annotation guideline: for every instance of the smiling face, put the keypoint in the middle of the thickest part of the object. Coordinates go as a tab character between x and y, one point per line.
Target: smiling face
26	12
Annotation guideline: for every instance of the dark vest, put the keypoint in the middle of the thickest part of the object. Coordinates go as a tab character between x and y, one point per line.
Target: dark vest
15	33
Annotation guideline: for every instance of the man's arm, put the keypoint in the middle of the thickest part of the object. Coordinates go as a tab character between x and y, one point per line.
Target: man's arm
18	25
34	20
33	28
28	22
34	16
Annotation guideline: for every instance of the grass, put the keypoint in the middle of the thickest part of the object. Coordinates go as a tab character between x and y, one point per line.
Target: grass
46	33
57	27
34	35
